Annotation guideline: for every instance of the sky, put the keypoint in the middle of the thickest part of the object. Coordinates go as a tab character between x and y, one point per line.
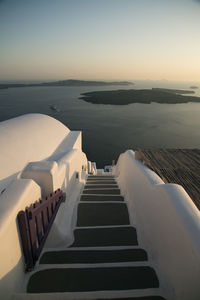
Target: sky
100	39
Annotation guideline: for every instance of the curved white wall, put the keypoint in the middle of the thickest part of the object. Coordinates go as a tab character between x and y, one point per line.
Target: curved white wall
48	156
30	137
168	225
20	194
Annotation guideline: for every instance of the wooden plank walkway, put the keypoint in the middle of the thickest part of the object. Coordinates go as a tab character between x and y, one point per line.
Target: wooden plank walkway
181	166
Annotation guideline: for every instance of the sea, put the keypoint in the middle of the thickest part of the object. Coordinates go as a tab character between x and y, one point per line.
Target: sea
109	130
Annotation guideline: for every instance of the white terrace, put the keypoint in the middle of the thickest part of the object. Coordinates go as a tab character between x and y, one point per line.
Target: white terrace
121	235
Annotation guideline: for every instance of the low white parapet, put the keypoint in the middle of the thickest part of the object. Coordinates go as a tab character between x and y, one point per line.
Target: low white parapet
94	168
44	173
168	225
62	229
89	167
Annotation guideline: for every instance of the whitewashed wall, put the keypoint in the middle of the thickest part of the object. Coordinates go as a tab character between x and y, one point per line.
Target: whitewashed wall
20	194
38	154
168	225
27	138
61	234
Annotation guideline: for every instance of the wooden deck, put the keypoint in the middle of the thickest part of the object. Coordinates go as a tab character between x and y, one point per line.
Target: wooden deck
181	166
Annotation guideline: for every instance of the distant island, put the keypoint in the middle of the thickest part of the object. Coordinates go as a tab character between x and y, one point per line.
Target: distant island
123	97
175	91
194	87
68	82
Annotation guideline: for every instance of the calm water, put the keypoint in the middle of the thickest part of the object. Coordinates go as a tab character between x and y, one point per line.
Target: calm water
109	130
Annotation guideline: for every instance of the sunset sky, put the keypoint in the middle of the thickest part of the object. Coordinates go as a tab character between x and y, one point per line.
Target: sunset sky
100	39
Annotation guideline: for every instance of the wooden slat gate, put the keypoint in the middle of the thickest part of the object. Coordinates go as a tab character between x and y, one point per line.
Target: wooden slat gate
34	225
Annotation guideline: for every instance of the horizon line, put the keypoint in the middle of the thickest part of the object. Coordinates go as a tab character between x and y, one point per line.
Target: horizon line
105	80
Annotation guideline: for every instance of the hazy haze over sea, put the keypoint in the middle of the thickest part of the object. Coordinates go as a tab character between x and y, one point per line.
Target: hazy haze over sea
109	130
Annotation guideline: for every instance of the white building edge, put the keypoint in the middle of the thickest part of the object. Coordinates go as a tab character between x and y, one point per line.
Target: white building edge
39	147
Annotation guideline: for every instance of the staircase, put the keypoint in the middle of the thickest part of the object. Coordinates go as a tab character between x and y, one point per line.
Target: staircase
105	260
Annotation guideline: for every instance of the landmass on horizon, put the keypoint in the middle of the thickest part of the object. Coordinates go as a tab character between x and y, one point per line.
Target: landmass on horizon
68	82
124	97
